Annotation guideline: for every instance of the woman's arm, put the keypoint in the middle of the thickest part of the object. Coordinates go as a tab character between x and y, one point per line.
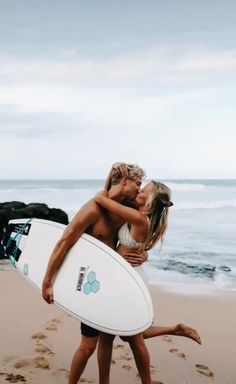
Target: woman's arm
127	214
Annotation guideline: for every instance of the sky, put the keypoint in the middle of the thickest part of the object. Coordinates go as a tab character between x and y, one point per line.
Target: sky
86	83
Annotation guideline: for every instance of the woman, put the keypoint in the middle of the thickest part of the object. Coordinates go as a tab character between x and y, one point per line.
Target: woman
143	228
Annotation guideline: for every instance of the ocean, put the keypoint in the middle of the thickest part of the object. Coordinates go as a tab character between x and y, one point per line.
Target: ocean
200	245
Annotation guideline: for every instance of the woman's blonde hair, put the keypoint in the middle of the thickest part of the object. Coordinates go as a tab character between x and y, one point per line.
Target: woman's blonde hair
157	205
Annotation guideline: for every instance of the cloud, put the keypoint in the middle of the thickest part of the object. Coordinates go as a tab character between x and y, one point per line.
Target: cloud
120	88
15	122
206	62
163	108
143	67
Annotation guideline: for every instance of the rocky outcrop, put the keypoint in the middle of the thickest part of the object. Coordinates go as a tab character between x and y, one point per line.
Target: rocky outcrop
17	210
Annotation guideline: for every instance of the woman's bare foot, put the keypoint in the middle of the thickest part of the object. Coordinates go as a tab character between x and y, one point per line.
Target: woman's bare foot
183	330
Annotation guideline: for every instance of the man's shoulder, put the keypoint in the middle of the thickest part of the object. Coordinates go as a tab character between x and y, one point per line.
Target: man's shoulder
88	215
90	208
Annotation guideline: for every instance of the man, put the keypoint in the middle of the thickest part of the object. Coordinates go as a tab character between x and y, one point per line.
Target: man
103	226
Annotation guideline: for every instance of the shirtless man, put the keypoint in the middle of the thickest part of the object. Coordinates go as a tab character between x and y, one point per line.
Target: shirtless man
104	226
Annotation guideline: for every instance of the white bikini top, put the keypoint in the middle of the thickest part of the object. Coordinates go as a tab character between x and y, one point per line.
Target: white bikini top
125	238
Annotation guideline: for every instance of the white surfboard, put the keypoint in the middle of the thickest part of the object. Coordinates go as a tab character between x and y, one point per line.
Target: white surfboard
94	283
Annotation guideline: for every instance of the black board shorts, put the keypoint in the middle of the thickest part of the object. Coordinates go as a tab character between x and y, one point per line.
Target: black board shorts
88	331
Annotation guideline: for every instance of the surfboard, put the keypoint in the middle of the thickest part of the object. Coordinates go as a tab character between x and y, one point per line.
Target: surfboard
94	284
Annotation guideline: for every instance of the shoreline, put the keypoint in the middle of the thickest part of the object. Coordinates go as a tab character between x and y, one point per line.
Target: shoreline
166	280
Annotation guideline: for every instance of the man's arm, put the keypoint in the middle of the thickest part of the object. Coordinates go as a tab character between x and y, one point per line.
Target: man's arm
83	219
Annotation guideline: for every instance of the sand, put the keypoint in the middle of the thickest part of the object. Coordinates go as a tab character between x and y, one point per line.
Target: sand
37	340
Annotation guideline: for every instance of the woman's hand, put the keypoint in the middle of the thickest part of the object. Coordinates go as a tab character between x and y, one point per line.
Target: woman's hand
136	259
101	194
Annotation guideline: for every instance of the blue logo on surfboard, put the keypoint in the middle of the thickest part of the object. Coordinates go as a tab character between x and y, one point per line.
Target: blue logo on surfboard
92	284
26	269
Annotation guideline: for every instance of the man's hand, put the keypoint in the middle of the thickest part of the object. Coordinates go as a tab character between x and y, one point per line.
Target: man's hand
136	259
47	292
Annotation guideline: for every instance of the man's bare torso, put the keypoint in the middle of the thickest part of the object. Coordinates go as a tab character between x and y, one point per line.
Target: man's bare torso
105	226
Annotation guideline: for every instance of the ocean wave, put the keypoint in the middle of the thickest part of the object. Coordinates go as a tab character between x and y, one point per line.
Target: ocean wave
30	189
225	279
194	205
198	270
186	186
194	268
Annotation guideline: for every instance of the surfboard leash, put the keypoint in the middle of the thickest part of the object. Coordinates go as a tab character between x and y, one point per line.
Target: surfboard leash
11	247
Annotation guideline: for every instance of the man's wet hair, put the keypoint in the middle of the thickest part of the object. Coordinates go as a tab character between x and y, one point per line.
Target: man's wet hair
134	173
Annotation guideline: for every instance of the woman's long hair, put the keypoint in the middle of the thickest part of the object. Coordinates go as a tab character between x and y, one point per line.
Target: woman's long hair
157	205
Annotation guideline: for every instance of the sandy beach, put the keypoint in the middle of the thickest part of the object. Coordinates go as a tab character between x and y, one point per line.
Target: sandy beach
37	340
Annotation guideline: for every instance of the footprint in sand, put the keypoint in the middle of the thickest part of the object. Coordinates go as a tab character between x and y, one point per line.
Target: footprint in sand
58	321
119	346
42	349
53	325
204	370
86	381
153	369
41	362
128	358
125	357
176	352
23	363
37	362
153	382
168	339
127	367
61	372
12	378
39	336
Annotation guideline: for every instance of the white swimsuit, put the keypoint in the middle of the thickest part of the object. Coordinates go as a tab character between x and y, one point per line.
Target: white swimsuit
125	238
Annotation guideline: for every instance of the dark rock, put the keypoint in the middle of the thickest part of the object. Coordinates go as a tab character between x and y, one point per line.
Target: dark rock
17	210
12	205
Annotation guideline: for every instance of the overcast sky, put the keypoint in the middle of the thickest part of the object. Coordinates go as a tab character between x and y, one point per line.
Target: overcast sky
85	83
